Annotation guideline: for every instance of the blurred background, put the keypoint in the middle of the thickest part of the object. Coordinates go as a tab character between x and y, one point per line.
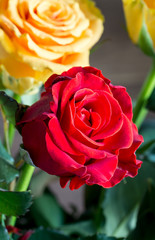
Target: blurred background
120	61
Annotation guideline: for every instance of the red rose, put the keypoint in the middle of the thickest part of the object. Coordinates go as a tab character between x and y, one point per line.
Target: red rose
81	130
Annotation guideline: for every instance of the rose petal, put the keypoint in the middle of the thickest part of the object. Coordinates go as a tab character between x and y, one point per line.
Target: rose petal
116	178
89	152
35	144
76	183
88	80
122	139
37	109
114	123
64	181
60	140
124	99
62	163
102	170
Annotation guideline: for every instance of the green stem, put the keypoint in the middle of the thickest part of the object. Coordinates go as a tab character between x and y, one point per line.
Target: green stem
139	112
22	184
25	178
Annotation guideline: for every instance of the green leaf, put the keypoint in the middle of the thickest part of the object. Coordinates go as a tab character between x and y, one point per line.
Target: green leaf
147	151
151	102
146	217
3	233
9	106
14	203
7	172
83	228
146	146
148	130
122	202
4	154
47	234
47	212
145	42
25	155
100	237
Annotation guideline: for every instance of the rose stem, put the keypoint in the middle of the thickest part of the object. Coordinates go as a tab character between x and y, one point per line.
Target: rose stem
139	111
22	184
11	126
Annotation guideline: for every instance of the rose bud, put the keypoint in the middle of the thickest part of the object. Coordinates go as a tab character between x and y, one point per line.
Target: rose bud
139	15
81	130
38	38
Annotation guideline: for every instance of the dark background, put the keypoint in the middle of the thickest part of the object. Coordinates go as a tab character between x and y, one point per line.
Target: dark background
120	61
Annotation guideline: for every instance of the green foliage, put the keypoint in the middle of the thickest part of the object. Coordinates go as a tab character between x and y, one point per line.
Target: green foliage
9	106
83	228
47	211
145	41
4	233
122	202
151	102
47	234
146	217
147	151
4	154
7	172
93	202
100	237
25	156
92	199
14	203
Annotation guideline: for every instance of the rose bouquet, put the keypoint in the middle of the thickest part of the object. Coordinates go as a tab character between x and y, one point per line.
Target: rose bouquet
78	128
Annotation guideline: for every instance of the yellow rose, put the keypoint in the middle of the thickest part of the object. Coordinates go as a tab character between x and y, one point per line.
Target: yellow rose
140	19
38	37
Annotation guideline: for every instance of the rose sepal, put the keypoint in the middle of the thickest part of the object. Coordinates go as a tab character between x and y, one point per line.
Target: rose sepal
145	42
25	156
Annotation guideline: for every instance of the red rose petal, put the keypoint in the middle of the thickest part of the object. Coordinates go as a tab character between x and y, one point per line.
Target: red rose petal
64	181
61	163
73	71
89	152
76	183
102	170
131	168
34	142
124	100
115	122
60	140
48	83
81	81
96	72
122	139
57	91
116	178
37	109
48	158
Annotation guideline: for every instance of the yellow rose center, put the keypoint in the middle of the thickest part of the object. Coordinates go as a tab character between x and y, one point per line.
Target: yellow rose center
150	3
